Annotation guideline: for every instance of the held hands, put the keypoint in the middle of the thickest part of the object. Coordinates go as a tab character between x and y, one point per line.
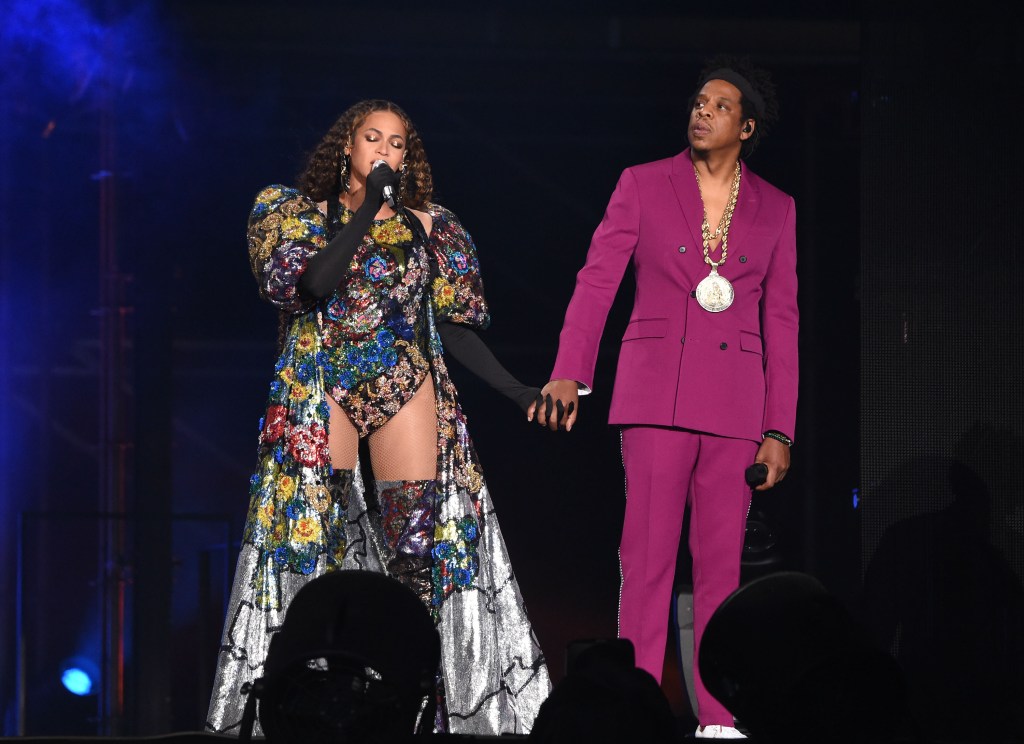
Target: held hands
556	406
525	397
775	455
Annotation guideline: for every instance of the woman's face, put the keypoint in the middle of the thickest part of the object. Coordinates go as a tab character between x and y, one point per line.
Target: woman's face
380	136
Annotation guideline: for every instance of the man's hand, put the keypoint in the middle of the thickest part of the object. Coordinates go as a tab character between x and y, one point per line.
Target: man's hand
556	406
775	455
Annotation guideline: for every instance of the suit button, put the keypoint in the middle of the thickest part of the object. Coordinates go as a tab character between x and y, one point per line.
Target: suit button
682	249
724	346
743	259
693	293
682	340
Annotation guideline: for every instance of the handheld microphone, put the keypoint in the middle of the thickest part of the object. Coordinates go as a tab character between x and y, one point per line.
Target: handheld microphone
756	474
388	191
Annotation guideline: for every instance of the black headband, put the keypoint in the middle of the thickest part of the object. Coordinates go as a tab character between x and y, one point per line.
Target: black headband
731	76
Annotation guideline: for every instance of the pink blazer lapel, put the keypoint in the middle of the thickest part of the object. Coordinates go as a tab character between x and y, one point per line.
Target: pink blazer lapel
747	204
688	195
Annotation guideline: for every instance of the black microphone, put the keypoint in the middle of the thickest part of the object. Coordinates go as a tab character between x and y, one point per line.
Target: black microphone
388	191
756	474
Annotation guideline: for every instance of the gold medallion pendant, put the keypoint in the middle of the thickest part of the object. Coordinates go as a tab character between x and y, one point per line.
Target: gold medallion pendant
715	292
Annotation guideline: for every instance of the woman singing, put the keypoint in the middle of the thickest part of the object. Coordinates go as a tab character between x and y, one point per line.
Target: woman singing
375	284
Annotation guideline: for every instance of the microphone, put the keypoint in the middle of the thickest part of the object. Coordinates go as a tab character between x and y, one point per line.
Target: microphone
756	474
388	191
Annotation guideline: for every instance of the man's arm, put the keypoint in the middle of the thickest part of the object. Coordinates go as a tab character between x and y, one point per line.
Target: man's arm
780	330
597	283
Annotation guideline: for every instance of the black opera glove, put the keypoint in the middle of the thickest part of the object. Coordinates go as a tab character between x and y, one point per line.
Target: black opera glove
469	350
325	269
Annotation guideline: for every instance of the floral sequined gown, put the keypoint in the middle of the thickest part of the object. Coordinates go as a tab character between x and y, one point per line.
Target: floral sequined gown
369	345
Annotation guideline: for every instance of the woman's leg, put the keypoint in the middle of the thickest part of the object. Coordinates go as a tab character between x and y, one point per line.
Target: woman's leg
403	454
405	448
342	438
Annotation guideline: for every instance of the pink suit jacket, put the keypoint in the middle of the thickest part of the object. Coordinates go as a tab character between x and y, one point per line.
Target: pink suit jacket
733	373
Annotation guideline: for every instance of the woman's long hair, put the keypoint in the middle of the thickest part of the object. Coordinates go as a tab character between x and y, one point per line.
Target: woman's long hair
321	179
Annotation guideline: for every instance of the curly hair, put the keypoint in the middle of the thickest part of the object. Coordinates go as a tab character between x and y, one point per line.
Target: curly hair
321	178
761	80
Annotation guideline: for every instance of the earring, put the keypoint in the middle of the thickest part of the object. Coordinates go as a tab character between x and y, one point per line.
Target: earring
401	181
343	171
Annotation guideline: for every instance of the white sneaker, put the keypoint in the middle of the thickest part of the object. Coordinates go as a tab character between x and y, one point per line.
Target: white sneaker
715	731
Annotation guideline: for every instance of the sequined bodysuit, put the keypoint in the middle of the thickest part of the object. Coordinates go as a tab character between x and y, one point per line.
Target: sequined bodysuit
373	326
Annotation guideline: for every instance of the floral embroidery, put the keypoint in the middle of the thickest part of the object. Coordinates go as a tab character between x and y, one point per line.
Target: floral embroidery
390	231
276	420
376	268
293	228
266	515
308	445
455	556
336	309
318	496
459	262
285	228
307	530
286	487
444	293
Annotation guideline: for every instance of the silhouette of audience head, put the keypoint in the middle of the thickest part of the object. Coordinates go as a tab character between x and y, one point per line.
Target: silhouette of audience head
355	660
983	473
793	665
605	697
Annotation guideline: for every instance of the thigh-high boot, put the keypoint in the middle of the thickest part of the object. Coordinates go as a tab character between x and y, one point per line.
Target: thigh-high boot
407	524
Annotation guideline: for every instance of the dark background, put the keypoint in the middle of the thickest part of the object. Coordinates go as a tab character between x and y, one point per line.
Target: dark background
135	353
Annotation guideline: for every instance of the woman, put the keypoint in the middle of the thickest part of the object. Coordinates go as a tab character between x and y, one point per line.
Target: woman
374	282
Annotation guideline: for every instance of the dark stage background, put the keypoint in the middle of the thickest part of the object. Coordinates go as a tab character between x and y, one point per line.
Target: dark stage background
135	353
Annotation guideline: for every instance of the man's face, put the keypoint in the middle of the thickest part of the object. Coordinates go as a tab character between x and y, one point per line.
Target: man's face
716	120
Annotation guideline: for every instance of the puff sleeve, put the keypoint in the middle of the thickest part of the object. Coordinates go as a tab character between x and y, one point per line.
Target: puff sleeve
285	228
457	290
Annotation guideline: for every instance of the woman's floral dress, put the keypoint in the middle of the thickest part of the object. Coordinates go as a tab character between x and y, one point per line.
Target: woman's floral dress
369	345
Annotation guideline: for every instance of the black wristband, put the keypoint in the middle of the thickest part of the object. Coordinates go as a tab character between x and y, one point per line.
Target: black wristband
778	436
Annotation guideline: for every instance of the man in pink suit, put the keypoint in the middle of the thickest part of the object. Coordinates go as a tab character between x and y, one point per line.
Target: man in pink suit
706	382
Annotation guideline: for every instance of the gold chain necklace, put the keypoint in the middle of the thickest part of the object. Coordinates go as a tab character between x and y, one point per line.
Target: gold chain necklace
723	223
714	292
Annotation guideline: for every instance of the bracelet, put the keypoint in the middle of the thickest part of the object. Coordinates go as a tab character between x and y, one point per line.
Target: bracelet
778	436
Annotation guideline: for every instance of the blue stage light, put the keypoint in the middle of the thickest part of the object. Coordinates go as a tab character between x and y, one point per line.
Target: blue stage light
76	681
79	676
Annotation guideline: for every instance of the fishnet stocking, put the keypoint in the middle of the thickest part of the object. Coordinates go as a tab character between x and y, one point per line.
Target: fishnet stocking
342	438
405	448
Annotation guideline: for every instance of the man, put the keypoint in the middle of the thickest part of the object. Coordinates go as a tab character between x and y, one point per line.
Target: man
707	373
